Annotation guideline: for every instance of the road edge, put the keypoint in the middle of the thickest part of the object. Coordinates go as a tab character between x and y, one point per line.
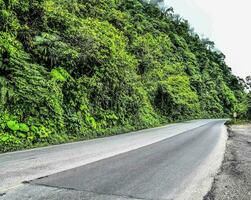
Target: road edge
203	177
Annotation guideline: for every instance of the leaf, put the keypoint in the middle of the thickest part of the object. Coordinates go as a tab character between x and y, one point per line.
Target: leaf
23	128
13	125
21	135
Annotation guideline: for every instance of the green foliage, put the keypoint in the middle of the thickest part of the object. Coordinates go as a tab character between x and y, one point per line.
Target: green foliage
9	142
13	125
59	74
72	69
23	128
175	98
248	115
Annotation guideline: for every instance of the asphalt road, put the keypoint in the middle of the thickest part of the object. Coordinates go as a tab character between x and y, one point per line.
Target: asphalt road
159	170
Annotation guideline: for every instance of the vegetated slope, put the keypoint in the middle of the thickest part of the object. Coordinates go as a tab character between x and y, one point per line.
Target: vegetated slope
79	69
247	114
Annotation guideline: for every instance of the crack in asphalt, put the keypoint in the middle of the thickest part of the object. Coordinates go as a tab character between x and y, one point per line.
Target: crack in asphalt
97	193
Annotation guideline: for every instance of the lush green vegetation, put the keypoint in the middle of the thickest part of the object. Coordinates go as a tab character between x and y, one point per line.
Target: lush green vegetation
248	100
80	69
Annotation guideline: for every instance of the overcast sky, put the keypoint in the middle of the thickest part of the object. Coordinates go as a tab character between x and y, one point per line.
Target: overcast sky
227	23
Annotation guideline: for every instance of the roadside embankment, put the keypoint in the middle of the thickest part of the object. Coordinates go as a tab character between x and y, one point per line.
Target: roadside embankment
234	179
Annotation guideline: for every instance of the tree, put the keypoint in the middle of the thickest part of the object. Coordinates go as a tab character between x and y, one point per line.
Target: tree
79	69
248	82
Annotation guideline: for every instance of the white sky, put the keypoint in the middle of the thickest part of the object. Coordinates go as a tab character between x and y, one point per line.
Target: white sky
227	23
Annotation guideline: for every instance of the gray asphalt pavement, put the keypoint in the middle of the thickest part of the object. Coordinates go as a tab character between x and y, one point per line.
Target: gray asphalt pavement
160	170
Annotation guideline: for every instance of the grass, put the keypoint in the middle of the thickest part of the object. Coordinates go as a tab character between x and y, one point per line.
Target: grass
238	122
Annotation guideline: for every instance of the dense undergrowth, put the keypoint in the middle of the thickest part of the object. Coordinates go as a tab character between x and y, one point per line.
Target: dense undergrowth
80	69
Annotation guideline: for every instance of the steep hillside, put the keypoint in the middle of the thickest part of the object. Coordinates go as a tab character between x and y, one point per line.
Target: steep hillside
80	69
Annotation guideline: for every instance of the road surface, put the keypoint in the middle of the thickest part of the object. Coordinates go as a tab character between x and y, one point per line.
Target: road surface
172	162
